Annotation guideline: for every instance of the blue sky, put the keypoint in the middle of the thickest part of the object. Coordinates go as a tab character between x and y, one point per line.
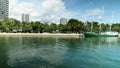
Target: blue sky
103	11
110	13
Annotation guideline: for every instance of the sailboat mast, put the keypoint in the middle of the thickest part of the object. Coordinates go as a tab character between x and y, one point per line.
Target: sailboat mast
91	26
111	20
102	14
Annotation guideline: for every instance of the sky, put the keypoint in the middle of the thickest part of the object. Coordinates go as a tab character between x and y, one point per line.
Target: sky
103	11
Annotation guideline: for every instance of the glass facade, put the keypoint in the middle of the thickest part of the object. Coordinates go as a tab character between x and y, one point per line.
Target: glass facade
4	8
25	17
63	21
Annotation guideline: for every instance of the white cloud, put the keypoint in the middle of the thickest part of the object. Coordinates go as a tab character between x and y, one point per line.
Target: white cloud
94	12
16	9
52	9
46	10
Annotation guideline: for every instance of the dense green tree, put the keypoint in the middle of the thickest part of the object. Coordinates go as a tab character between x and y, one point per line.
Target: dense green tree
46	27
80	26
1	26
87	26
38	27
17	25
73	26
115	27
96	26
26	27
62	28
53	27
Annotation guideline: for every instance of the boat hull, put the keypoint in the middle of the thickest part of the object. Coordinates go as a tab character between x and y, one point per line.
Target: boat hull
98	35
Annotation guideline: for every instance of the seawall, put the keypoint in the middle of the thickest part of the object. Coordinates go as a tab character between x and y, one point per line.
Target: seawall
41	34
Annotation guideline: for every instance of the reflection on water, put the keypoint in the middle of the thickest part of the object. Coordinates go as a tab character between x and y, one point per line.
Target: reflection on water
3	54
35	52
38	52
102	41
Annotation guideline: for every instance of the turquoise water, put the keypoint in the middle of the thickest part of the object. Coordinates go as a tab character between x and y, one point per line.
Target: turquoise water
37	52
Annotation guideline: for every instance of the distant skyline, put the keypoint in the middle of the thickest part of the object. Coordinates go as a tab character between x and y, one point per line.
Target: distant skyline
103	11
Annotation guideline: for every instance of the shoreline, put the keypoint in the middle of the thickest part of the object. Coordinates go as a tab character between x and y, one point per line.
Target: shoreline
41	34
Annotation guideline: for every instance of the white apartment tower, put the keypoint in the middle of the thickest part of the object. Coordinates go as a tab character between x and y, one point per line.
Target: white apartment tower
25	17
63	21
4	8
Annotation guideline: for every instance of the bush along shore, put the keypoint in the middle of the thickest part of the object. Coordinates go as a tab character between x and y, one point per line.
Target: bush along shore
10	25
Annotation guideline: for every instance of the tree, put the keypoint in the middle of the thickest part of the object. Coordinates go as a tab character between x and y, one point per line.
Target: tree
62	28
18	25
26	27
46	27
32	25
38	27
95	26
10	24
75	25
115	27
53	27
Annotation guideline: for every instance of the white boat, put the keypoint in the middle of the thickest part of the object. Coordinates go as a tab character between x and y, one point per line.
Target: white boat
102	34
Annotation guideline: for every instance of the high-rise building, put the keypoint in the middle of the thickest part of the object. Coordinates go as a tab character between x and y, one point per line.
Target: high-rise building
4	8
63	21
25	17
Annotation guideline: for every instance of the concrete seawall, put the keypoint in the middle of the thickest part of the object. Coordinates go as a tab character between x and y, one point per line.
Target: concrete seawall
41	34
118	35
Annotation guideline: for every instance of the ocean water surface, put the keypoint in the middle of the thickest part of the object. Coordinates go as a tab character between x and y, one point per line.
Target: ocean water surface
42	52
